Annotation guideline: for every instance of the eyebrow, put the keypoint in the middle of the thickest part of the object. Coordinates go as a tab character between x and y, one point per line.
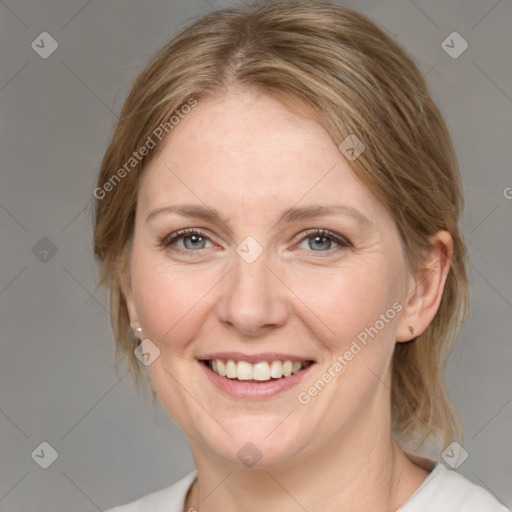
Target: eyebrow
288	216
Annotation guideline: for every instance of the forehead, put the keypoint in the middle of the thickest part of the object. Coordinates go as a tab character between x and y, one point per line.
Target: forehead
246	151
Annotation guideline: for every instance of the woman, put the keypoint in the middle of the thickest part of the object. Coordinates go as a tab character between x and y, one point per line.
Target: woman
277	221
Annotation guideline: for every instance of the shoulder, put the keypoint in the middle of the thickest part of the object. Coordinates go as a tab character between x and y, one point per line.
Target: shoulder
445	491
170	499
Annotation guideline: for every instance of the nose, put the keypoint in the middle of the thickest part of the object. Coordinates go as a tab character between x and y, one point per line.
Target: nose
253	299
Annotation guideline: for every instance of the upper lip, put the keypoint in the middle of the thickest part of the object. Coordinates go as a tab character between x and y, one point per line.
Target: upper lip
254	358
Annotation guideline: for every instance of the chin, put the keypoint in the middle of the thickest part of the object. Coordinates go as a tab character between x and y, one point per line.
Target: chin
255	443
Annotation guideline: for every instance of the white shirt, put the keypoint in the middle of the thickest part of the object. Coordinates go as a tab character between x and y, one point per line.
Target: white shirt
443	491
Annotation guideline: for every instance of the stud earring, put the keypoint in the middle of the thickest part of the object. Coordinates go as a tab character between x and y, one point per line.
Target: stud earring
137	330
411	329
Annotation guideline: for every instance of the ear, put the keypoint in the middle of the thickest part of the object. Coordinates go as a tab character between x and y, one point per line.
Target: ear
425	288
126	289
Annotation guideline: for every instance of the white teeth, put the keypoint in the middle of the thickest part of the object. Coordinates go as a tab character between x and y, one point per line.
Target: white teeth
221	367
287	368
276	369
231	372
244	370
262	371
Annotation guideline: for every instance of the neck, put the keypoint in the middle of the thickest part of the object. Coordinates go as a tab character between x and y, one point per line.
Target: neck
357	470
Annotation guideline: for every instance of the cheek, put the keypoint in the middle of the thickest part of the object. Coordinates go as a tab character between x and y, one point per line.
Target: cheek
348	300
171	300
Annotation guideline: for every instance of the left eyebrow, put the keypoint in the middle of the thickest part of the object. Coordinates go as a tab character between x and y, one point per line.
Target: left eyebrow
308	212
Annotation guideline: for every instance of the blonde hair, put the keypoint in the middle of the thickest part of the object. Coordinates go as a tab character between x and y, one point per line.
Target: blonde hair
336	65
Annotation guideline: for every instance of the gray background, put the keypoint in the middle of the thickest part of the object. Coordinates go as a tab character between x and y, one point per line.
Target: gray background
56	366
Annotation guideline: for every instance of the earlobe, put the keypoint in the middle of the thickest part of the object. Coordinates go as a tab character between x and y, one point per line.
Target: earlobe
425	288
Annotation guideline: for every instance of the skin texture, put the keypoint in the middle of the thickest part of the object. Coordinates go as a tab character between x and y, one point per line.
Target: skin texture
250	158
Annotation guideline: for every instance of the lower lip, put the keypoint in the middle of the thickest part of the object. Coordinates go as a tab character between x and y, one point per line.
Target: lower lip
245	389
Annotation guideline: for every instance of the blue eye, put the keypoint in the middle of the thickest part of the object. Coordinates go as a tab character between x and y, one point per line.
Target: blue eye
322	239
195	237
319	240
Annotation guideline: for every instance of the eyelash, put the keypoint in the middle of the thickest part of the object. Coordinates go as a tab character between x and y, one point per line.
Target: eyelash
178	235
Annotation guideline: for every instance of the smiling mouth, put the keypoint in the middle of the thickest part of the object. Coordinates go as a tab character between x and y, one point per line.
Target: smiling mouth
262	371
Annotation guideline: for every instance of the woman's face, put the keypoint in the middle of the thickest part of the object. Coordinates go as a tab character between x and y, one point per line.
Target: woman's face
257	284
